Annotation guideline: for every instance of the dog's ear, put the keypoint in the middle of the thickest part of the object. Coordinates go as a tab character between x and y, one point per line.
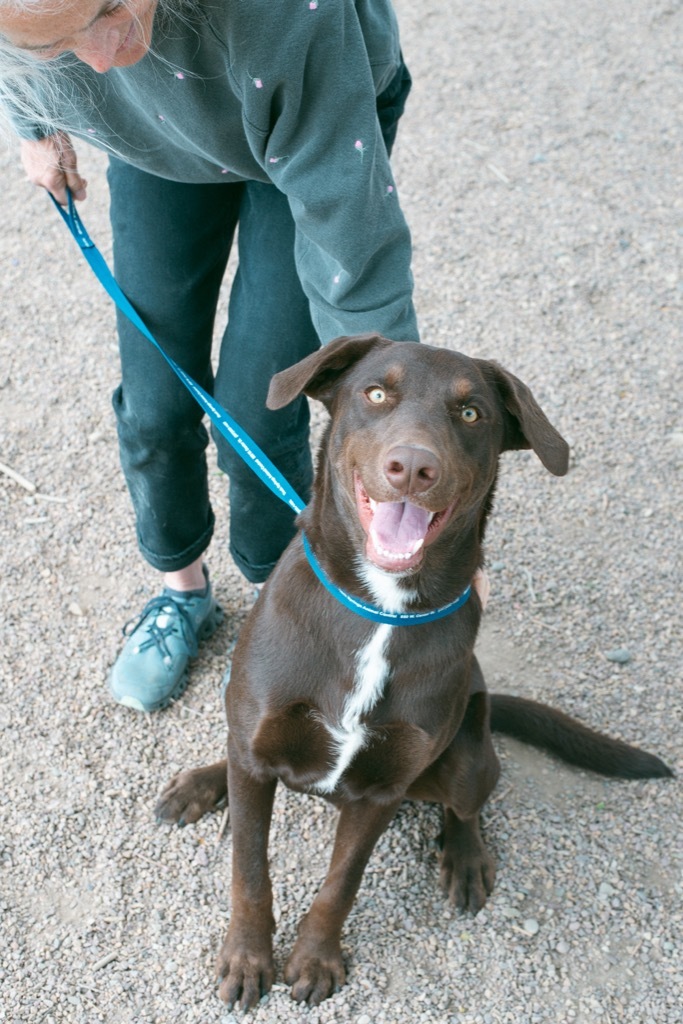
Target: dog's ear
526	425
317	374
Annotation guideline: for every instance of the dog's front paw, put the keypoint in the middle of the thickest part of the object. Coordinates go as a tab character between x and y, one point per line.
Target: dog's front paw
467	877
315	974
245	973
190	795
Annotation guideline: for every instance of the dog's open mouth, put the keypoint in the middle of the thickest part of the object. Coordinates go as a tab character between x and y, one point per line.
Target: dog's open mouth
397	531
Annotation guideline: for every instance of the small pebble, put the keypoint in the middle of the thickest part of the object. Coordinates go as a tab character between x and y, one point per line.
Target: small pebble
201	858
619	655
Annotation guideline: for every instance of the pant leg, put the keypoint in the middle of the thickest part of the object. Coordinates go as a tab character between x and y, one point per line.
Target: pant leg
391	104
269	328
171	245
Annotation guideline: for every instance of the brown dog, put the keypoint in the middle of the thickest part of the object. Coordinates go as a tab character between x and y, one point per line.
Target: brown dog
369	714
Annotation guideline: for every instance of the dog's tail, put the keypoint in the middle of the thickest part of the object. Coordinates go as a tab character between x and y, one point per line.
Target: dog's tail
552	730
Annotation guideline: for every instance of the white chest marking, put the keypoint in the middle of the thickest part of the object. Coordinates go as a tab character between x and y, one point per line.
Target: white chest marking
384	588
349	735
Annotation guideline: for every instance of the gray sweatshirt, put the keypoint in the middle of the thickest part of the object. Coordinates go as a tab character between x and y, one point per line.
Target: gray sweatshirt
280	91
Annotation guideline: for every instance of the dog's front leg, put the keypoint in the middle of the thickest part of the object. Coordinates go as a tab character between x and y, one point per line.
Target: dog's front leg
315	968
245	962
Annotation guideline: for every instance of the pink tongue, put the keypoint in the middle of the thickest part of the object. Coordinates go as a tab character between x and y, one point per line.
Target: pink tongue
397	526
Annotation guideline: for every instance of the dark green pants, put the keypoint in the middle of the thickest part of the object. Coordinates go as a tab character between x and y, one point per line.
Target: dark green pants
171	246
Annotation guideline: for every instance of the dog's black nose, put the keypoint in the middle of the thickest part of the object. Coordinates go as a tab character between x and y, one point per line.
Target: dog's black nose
411	470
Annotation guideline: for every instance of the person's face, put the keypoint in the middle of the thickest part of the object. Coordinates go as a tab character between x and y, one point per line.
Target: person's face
102	33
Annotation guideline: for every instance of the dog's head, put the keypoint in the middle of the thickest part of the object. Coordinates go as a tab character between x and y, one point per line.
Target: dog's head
415	436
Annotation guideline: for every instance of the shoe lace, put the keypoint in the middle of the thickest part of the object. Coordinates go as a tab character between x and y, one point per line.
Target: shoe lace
176	616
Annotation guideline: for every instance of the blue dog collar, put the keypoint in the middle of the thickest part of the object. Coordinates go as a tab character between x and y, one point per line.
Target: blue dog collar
368	611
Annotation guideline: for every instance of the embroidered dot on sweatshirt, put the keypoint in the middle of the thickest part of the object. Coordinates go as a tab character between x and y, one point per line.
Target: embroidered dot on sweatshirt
359	147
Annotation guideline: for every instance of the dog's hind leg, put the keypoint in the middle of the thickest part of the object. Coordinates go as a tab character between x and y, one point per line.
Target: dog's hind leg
467	870
462	780
315	968
191	794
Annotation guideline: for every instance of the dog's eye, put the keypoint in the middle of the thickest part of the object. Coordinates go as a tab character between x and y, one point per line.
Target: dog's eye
376	395
469	414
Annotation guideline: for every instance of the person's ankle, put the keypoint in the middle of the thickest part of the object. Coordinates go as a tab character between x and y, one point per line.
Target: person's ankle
190	578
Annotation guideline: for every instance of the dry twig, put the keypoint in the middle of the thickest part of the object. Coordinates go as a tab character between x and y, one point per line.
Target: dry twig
18	478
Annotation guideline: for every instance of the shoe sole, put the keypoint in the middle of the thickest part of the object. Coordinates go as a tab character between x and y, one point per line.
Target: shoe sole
207	629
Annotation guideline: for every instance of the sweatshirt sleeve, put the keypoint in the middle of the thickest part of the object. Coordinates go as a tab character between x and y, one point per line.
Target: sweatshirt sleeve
311	118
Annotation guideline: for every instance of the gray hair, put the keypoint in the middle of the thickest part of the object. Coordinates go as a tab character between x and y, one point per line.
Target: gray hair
37	94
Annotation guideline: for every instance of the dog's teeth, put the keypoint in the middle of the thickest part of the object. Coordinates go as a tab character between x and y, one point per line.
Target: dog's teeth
372	503
404	555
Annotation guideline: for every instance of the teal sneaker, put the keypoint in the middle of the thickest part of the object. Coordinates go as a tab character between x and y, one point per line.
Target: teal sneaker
152	668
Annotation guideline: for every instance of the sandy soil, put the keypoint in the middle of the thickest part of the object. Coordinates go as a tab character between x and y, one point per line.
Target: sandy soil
540	166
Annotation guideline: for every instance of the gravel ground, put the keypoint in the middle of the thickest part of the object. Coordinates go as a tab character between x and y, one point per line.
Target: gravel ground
540	167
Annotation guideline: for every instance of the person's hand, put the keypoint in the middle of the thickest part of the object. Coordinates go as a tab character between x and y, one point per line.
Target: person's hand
52	164
482	585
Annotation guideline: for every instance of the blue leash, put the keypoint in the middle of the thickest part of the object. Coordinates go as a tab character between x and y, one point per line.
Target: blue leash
222	420
235	436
